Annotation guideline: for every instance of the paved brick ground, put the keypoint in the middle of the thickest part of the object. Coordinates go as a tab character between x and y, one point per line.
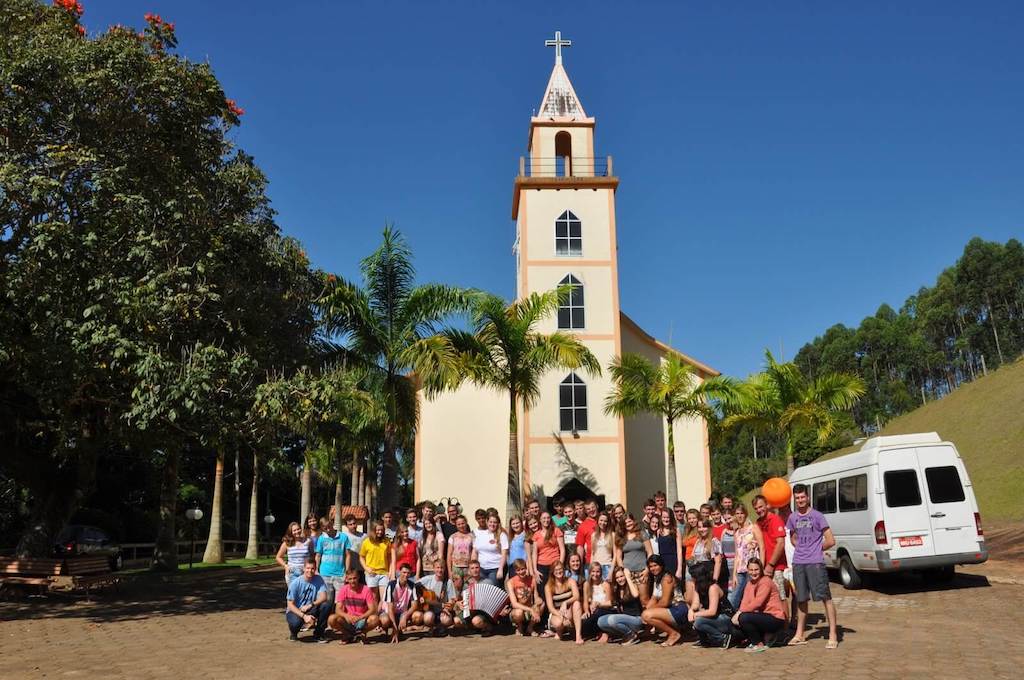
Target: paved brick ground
233	627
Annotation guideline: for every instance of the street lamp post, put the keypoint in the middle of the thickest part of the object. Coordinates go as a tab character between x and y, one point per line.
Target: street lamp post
269	519
194	515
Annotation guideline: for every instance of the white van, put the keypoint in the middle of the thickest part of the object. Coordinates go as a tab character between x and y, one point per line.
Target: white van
900	503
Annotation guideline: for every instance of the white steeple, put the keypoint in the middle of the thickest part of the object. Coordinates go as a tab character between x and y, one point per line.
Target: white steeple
560	101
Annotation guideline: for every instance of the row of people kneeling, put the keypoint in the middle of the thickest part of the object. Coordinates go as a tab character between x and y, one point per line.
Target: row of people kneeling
630	607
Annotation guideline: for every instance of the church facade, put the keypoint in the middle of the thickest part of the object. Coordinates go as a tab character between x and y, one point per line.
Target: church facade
563	204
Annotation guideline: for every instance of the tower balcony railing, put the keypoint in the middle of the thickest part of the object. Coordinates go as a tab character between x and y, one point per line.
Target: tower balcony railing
565	166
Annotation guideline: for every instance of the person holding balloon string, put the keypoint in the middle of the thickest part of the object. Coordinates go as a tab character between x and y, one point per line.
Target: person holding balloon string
779	495
774	531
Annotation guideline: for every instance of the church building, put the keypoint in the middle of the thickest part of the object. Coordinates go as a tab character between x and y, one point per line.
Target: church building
563	204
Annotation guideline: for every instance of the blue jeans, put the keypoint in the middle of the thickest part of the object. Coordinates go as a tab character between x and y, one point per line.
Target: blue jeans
736	594
491	576
320	612
713	629
622	625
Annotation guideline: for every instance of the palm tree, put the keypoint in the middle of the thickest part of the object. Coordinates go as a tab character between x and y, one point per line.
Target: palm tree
781	399
305	485
506	353
214	553
670	389
391	324
252	547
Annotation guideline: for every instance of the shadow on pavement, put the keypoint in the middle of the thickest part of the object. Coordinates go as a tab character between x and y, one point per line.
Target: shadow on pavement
905	583
145	598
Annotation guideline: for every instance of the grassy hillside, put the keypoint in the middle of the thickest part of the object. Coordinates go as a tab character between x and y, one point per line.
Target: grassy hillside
985	419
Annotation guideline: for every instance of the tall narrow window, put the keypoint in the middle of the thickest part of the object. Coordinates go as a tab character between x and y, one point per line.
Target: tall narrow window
563	154
572	404
568	235
570	309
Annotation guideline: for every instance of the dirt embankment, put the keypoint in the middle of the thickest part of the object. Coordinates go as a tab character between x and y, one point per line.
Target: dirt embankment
1006	541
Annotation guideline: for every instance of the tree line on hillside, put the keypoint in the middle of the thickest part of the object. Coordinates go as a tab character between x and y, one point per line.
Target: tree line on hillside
969	322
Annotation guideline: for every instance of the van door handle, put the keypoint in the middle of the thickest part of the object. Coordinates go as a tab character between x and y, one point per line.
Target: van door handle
938	514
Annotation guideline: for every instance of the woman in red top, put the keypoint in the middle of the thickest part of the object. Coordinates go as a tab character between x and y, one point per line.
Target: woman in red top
761	611
404	551
548	546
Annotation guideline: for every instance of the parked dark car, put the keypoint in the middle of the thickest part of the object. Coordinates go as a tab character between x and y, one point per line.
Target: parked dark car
79	539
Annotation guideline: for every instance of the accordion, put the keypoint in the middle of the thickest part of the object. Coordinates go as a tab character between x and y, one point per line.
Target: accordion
486	598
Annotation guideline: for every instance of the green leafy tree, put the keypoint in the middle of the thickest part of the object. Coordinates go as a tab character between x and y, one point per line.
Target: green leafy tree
782	401
390	325
328	409
505	352
145	286
671	390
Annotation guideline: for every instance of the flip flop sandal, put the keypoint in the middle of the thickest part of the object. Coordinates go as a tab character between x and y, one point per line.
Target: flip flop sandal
832	644
796	642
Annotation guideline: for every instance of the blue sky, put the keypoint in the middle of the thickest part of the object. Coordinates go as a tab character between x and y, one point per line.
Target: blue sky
784	166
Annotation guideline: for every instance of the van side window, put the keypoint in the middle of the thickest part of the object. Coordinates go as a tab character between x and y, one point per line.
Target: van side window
944	484
901	489
853	493
824	494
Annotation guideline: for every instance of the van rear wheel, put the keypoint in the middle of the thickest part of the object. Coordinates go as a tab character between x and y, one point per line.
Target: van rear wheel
848	574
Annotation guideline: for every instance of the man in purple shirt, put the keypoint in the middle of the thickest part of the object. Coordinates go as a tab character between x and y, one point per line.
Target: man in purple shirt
811	537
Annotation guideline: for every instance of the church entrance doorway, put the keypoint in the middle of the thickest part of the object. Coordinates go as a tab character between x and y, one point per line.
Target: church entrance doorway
574	490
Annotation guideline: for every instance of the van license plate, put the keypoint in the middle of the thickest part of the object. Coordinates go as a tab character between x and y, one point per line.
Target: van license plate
907	541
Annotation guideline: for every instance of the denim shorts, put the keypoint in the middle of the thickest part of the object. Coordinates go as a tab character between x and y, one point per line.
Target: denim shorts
811	581
680	613
376	580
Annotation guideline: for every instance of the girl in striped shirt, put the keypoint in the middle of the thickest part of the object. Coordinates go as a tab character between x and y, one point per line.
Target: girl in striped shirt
295	548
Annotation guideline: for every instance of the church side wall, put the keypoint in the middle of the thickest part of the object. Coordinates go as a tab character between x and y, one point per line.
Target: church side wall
462	448
647	439
691	456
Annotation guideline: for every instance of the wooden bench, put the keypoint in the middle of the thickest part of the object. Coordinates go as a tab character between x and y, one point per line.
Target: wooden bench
85	573
28	572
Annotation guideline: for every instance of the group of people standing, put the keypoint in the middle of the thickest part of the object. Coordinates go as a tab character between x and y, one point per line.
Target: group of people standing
577	573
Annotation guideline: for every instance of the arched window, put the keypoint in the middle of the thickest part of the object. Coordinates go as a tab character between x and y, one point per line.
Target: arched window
563	154
572	404
568	235
570	309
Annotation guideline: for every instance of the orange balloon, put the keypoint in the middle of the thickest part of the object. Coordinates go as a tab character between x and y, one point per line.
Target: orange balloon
776	491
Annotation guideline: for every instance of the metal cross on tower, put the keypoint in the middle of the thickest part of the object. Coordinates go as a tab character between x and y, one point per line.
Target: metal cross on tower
558	44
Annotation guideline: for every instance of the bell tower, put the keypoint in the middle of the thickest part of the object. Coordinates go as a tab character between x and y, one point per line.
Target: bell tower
563	202
563	205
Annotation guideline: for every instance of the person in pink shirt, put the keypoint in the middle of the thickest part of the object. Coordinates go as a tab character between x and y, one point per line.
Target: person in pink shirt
355	610
761	612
